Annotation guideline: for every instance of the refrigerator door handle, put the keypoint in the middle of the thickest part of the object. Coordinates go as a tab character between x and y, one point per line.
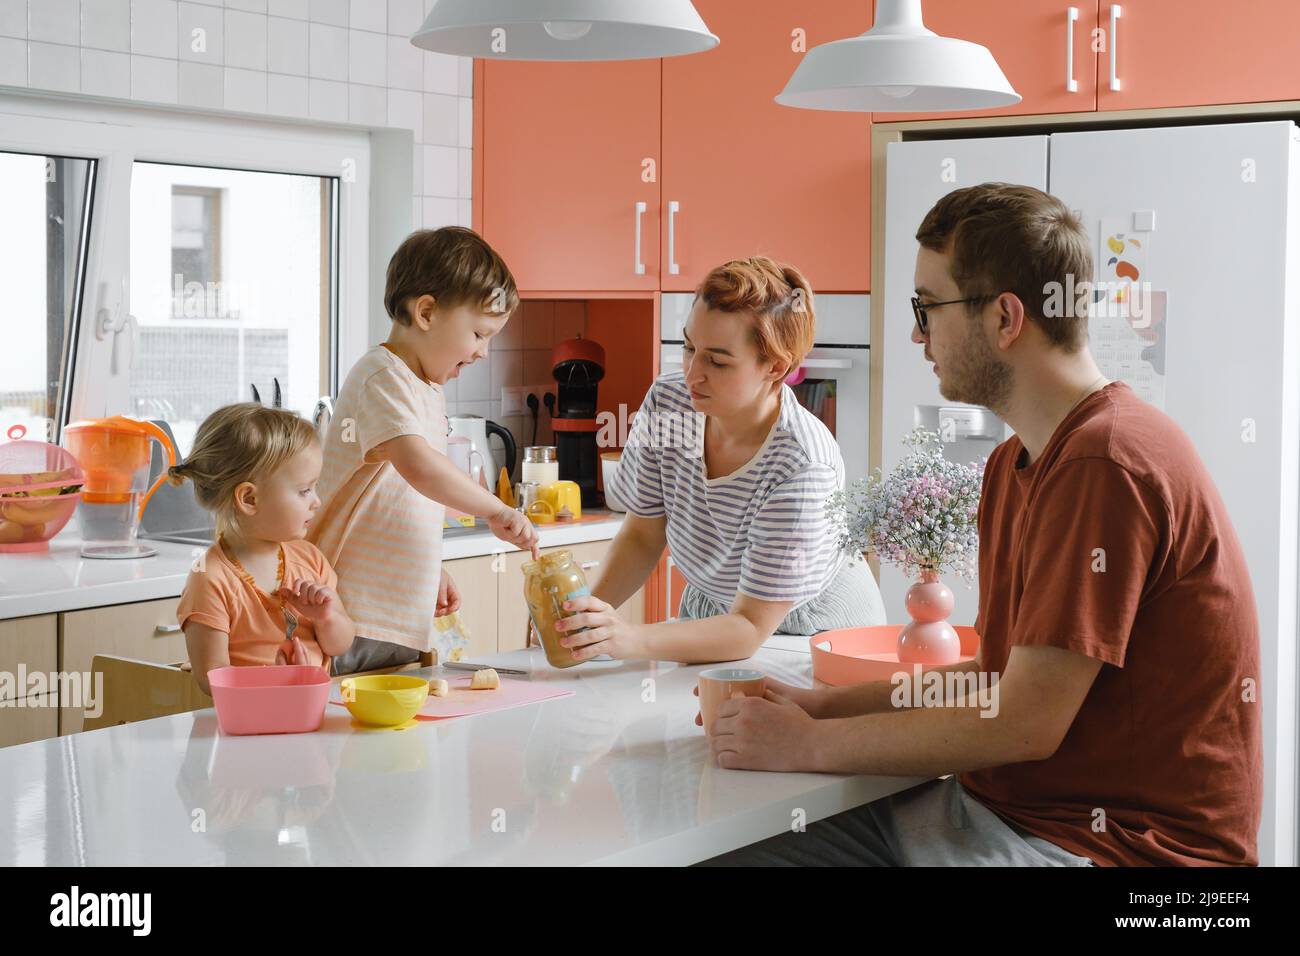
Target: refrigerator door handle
1071	84
639	266
1115	13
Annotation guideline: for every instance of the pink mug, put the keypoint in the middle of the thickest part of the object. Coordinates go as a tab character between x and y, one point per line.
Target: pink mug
722	683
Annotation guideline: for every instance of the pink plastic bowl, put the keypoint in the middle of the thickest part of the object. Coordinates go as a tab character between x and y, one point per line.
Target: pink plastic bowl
280	699
28	524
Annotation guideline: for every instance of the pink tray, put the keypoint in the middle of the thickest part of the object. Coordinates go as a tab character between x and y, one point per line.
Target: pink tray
280	699
856	655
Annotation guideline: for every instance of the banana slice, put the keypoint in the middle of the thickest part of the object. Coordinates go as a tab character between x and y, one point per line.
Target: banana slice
485	679
437	688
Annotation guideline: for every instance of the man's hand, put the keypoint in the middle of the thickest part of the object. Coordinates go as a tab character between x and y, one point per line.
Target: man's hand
448	596
807	698
762	733
514	527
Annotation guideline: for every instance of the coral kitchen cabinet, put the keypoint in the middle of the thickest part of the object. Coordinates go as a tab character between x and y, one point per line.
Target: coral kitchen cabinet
570	189
1045	47
643	175
742	175
1198	53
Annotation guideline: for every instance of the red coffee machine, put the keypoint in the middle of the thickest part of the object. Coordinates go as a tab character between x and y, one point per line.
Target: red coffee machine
578	364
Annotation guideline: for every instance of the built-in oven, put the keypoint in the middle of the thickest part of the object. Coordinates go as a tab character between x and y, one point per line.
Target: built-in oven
834	380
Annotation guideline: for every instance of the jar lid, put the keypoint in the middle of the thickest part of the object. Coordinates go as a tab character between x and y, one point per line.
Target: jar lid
536	453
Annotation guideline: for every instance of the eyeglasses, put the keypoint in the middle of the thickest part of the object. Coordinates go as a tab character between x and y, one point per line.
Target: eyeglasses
923	320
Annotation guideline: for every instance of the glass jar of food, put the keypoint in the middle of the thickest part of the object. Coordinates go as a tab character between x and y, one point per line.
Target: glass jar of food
548	583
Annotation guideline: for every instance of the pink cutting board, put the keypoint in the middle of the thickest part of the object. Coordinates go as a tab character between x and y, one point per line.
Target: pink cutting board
463	702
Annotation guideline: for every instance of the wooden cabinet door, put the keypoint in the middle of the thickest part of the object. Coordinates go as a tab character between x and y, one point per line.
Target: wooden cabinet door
36	719
1032	41
1199	52
146	631
750	177
28	645
569	150
31	643
478	602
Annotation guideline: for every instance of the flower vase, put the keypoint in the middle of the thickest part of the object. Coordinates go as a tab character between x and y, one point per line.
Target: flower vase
928	638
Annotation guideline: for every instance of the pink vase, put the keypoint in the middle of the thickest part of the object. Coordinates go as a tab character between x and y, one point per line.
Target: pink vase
929	638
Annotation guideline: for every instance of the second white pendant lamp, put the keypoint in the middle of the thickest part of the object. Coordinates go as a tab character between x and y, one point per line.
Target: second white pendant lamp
564	29
898	66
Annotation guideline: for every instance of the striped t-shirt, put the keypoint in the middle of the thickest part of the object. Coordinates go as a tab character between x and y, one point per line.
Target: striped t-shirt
760	531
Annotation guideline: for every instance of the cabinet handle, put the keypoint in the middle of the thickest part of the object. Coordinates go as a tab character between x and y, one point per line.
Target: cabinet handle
162	629
673	208
588	565
1115	13
1071	84
638	265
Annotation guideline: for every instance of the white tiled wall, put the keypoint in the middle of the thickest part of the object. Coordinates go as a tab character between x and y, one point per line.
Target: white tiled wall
335	60
338	60
520	355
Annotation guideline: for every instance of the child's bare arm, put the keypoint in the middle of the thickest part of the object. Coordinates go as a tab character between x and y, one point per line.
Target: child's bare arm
435	476
208	649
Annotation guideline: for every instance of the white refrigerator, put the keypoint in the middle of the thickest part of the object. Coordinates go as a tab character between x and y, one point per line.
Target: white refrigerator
1208	217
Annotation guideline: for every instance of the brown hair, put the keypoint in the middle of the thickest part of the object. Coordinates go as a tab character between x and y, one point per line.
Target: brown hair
455	266
1018	239
776	297
235	444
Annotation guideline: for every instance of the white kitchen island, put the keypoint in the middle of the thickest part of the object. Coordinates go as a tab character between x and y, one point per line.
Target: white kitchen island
617	774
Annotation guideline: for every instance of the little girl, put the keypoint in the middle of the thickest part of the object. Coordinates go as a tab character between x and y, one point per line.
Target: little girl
260	594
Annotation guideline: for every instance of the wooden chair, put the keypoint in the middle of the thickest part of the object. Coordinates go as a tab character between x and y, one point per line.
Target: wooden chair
141	690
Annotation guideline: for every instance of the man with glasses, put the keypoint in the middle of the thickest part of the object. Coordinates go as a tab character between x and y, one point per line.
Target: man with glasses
1115	606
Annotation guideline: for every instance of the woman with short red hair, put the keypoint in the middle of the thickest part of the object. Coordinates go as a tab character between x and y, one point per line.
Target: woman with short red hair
727	470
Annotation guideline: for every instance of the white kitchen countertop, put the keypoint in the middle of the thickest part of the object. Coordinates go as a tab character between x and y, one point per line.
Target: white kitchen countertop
616	774
46	582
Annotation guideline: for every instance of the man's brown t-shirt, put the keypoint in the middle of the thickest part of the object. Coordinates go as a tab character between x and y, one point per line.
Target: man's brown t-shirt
1115	544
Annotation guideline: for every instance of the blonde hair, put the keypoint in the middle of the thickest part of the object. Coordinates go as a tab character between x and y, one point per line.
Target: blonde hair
775	297
235	444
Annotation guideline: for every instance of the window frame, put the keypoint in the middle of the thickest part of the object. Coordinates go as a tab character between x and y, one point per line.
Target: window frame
117	136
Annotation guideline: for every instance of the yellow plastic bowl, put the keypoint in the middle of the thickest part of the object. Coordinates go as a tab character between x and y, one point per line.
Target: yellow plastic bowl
384	700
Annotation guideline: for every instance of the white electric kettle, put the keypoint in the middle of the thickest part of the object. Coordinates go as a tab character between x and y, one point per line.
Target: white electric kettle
478	429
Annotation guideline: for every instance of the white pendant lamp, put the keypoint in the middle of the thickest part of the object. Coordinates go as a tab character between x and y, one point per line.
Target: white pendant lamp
898	66
564	29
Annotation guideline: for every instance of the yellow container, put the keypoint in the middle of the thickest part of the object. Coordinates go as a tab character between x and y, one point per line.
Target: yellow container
384	700
565	499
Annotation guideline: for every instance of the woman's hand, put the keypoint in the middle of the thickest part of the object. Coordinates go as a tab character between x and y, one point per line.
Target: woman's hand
763	733
448	596
607	632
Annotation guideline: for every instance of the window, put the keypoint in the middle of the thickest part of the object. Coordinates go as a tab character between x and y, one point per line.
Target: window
160	264
42	256
196	240
227	272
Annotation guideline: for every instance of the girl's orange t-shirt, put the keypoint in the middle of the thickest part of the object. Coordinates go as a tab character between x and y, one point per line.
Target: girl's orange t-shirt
217	595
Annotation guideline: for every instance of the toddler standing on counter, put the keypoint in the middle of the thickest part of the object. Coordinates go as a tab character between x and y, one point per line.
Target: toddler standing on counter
386	475
261	595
